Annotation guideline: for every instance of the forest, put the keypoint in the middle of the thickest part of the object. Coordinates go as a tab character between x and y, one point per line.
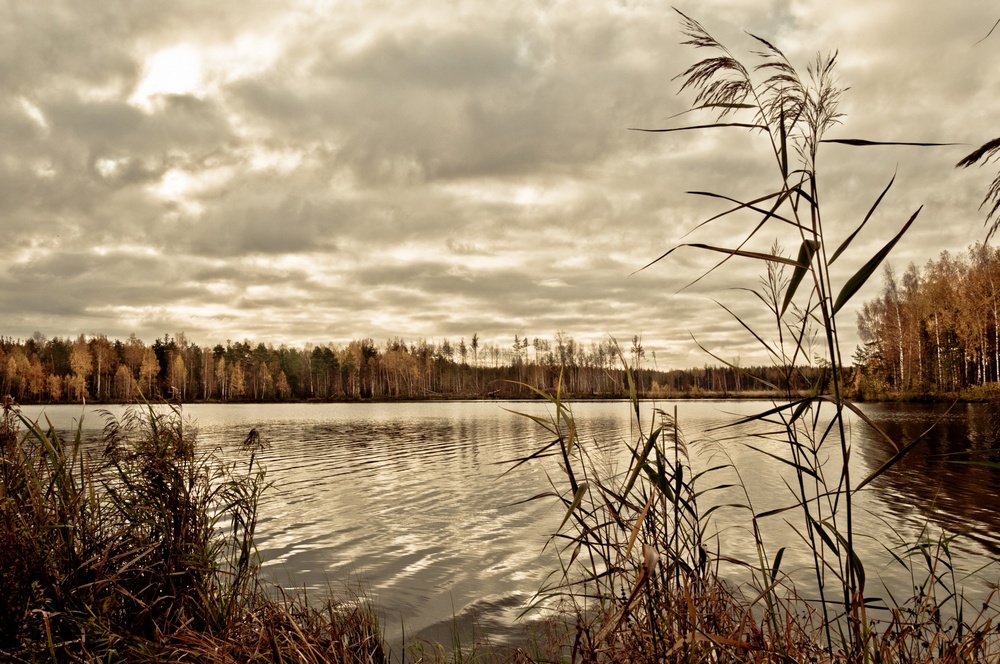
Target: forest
99	369
933	331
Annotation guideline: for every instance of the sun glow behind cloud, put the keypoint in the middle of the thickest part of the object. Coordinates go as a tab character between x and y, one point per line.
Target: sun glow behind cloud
186	69
172	71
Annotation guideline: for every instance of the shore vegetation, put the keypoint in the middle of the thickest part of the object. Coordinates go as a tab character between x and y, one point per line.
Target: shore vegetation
644	576
143	551
100	370
933	331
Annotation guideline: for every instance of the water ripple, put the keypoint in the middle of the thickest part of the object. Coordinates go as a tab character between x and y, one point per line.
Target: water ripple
409	499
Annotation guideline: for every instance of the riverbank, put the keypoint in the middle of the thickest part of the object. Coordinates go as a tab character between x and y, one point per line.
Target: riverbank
372	490
980	394
147	554
988	393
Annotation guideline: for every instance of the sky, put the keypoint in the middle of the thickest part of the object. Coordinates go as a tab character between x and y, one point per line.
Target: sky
318	171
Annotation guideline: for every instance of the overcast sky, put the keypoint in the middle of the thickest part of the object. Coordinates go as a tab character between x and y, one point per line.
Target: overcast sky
317	171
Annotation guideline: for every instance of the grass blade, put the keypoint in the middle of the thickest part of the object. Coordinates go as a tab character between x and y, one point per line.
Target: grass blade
577	499
857	230
744	253
806	252
706	126
903	451
861	276
751	205
777	562
861	142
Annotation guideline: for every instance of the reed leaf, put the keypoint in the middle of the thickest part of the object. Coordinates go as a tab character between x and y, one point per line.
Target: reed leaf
777	562
780	197
819	529
861	276
639	522
756	255
854	561
724	107
581	491
864	221
763	415
860	142
639	459
870	422
806	252
805	470
714	125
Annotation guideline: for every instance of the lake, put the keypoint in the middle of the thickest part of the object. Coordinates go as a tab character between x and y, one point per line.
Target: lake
409	502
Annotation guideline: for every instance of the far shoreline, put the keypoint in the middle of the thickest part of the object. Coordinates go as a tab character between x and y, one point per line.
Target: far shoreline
966	396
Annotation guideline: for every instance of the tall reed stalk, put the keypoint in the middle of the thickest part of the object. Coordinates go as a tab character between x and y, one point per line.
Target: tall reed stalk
638	571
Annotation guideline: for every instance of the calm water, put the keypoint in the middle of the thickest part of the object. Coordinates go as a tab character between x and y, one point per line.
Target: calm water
406	499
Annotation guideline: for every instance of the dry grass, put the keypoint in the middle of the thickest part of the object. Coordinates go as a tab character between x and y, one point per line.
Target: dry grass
640	576
146	553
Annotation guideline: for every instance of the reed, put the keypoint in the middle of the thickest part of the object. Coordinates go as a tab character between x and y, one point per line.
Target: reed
640	565
145	552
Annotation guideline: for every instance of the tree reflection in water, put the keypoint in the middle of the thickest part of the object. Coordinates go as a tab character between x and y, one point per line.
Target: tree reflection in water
941	478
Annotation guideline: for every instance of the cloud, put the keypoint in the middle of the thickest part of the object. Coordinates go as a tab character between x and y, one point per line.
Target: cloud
319	171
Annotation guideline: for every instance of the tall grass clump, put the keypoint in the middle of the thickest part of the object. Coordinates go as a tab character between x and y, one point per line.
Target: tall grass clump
641	566
144	551
639	561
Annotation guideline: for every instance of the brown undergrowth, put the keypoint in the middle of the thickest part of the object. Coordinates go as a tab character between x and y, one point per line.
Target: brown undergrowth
645	576
144	551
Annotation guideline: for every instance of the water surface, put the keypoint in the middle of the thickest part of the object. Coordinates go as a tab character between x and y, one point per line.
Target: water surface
410	500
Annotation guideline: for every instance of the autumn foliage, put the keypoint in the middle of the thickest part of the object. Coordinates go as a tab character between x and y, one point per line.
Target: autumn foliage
934	330
99	369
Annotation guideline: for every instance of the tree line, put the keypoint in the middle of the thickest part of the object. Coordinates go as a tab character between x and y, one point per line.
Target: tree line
933	330
99	369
